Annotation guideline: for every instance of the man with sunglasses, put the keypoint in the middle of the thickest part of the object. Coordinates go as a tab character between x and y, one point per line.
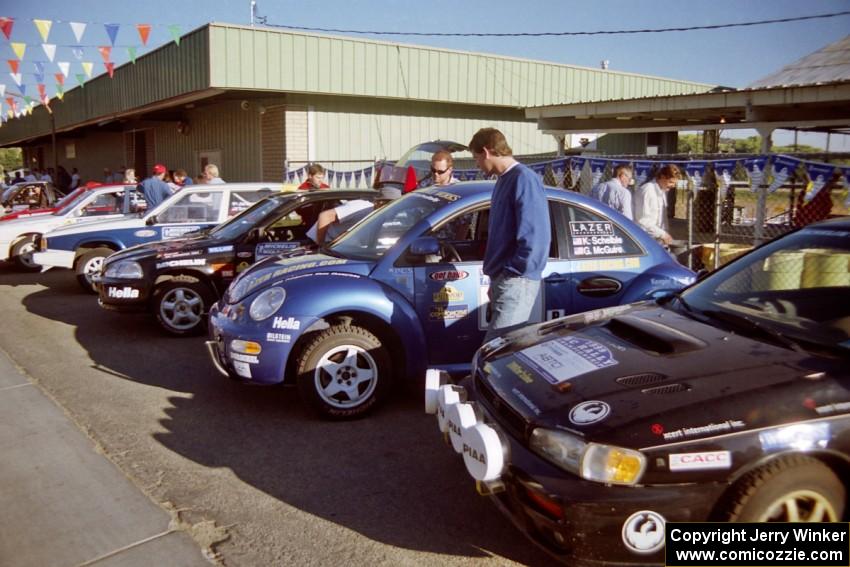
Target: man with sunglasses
442	167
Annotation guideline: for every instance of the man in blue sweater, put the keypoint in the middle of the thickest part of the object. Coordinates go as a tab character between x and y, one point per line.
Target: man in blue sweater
519	234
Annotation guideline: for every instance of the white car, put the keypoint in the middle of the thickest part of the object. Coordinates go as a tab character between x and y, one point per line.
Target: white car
192	209
18	236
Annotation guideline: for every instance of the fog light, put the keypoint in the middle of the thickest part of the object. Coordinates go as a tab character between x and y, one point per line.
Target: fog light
245	347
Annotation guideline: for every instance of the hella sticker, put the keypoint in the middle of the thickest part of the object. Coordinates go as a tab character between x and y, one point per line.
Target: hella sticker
700	461
122	292
286	323
448	275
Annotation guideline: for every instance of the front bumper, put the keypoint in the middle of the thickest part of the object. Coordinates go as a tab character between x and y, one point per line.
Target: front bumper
55	258
228	323
577	521
122	294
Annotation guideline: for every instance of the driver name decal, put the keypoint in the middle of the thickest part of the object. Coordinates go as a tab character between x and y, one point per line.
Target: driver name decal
564	358
595	239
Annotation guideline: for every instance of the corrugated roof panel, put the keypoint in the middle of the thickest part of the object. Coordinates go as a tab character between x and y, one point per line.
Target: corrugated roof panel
832	63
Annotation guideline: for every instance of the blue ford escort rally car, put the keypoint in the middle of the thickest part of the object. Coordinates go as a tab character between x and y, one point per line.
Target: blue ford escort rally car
83	248
403	290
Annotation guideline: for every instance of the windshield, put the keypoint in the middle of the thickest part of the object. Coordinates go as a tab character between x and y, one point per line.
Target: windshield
797	287
68	201
246	220
377	233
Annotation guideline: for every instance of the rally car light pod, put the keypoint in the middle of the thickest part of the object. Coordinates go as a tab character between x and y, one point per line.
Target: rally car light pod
124	270
447	396
434	379
245	347
267	303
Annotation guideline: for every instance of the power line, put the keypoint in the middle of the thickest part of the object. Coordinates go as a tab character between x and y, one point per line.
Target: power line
575	33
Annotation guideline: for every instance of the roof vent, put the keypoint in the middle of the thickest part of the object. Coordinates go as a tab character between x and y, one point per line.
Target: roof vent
667	389
645	379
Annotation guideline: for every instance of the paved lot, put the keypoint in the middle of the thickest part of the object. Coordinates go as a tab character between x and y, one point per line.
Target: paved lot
248	472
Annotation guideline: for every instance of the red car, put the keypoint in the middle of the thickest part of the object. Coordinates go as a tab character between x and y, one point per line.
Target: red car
69	198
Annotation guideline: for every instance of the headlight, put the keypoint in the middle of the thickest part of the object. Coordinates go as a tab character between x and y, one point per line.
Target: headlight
591	461
237	290
267	303
42	244
124	270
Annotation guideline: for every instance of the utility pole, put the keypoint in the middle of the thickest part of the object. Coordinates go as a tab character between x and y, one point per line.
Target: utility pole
253	9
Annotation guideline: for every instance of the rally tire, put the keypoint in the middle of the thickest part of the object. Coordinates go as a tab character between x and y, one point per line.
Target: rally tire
793	488
180	306
22	251
89	264
344	372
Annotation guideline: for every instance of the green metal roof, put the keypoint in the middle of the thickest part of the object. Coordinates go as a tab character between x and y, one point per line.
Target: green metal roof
221	57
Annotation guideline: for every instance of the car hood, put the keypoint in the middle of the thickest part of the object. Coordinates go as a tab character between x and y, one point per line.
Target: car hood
26	213
38	223
277	269
648	376
163	248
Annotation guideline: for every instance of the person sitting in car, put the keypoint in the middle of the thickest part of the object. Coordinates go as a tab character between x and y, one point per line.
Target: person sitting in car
334	222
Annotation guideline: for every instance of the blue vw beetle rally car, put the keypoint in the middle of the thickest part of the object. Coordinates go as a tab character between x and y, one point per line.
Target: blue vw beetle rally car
403	291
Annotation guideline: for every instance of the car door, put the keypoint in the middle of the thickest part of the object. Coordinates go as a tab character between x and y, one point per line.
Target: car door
190	212
604	258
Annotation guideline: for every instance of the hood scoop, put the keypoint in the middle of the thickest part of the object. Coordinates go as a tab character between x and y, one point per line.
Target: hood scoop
653	336
667	389
646	379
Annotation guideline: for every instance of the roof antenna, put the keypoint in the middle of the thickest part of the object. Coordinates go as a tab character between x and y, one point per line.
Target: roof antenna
254	17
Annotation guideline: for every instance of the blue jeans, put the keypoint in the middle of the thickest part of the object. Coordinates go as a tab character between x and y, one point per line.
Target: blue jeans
512	300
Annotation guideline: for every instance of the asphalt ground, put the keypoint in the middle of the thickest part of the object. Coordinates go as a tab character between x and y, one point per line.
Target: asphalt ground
248	472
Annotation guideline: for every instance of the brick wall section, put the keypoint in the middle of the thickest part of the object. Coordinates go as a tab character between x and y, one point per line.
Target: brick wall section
297	142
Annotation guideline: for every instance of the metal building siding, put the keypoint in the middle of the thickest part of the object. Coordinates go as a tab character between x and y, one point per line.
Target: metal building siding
246	58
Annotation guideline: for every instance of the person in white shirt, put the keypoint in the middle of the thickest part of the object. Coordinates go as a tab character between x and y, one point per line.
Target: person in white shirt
75	178
211	174
442	167
651	203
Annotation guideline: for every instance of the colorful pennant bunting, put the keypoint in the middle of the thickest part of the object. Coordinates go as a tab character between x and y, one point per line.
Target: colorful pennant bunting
131	53
174	29
16	77
79	29
19	49
49	50
60	78
819	174
78	53
13	64
42	90
6	27
43	28
144	31
783	168
105	52
2	90
81	79
112	31
65	67
87	67
110	68
60	92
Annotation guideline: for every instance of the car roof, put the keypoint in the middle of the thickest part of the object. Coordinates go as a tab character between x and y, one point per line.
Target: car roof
480	187
837	224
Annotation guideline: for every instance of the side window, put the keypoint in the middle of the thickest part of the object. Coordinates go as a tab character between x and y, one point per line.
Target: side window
194	207
105	204
585	234
241	200
463	235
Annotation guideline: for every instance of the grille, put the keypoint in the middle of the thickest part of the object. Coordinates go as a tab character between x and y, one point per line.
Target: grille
667	389
645	379
501	411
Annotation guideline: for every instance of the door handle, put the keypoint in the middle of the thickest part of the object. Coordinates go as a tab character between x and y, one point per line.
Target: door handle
556	278
599	287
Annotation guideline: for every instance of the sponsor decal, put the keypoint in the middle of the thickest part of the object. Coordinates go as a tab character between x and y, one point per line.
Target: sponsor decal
227	273
266	249
219	249
484	280
402	271
448	312
524	399
595	239
242	369
521	372
833	408
658	282
244	254
242	266
473	454
125	292
289	323
592	411
588	228
178	254
278	338
643	532
798	436
609	264
607	312
451	197
426	197
700	461
247	358
176	263
448	275
564	358
657	429
177	231
305	266
145	233
554	314
448	294
702	430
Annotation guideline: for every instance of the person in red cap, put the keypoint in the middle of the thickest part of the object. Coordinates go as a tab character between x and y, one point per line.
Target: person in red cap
154	189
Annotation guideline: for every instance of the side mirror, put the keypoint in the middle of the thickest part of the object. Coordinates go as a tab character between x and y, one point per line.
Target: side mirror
151	220
425	246
662	296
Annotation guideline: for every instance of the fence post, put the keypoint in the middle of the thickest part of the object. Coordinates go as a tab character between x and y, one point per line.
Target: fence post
690	228
718	206
761	204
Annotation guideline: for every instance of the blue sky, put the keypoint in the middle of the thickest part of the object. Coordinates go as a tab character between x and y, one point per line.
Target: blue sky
732	57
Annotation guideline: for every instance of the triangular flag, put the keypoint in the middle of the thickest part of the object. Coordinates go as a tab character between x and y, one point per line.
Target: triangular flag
105	51
6	26
28	100
11	103
110	68
16	77
23	89
87	67
79	29
42	90
144	32
60	93
60	78
112	31
175	33
2	90
81	79
46	102
65	67
39	77
78	53
13	64
43	28
49	50
19	49
131	52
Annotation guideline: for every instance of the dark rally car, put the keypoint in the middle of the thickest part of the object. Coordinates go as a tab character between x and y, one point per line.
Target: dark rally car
728	401
179	279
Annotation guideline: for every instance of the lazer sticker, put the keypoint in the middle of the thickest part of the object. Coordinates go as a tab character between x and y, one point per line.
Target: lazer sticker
145	233
448	294
585	228
589	412
643	532
177	231
564	358
448	275
700	461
